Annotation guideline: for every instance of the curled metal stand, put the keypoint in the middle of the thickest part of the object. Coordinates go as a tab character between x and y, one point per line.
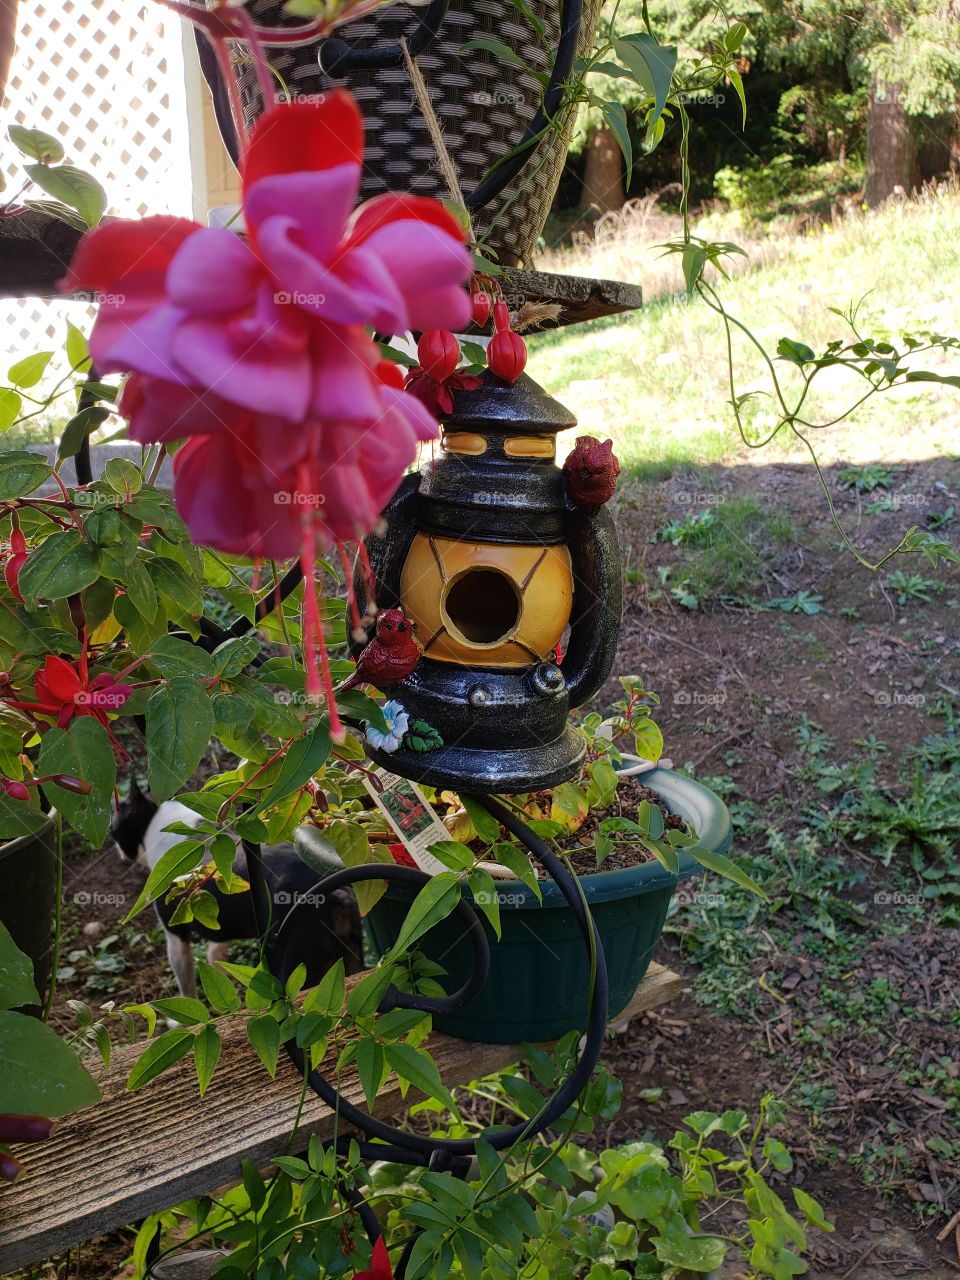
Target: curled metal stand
381	1141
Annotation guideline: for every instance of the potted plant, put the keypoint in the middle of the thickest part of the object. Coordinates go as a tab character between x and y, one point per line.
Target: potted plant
630	842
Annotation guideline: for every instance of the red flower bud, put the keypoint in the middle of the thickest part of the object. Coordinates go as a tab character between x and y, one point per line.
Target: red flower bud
15	790
501	317
480	307
507	355
390	374
15	562
439	353
79	786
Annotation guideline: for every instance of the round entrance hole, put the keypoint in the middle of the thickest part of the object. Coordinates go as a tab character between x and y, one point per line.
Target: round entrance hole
482	606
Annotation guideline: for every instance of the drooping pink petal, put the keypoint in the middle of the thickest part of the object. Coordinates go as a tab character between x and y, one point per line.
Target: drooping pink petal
158	411
212	272
428	267
344	388
321	203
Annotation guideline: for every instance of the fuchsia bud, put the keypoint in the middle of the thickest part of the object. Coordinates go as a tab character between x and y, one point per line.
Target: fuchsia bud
439	353
507	355
15	562
501	317
15	790
480	307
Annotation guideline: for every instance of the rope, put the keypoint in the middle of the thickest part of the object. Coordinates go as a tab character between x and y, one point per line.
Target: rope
435	129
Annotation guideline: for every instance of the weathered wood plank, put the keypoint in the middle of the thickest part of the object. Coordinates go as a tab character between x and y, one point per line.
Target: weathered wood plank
136	1153
35	252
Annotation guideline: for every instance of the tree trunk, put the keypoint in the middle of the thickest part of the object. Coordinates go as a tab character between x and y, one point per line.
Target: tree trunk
603	178
891	146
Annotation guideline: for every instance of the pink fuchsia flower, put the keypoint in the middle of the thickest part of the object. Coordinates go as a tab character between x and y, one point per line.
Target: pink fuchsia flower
64	691
438	396
253	321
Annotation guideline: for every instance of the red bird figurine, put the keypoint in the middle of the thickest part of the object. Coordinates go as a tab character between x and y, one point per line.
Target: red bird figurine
591	468
389	657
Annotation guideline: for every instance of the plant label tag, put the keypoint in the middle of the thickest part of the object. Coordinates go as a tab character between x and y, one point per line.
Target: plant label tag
412	817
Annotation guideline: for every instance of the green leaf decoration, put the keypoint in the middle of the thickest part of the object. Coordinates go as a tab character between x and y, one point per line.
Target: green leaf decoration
82	750
206	1055
17	986
159	1055
76	189
263	1033
60	566
179	723
40	1075
21	472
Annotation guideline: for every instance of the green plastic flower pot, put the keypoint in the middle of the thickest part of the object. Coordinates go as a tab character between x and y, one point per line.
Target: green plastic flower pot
539	977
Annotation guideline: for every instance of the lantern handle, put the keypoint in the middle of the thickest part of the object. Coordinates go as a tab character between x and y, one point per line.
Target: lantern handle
597	602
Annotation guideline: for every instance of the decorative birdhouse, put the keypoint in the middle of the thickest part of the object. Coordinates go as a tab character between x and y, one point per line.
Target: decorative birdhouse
489	556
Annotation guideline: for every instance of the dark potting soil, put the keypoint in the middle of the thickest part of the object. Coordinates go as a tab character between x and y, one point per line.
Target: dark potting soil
580	846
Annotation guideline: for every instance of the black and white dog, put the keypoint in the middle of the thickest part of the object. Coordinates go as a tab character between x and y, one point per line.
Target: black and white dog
324	931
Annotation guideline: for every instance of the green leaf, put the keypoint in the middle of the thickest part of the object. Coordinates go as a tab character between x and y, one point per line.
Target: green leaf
371	1068
433	903
78	428
722	865
63	564
175	657
40	1075
365	995
648	740
453	854
484	823
303	758
676	1246
179	724
76	189
924	375
182	1009
206	1055
123	476
484	890
21	472
733	75
796	352
28	371
616	118
17	984
420	1069
653	65
36	144
177	861
82	750
10	406
221	994
230	657
78	353
811	1210
502	52
327	995
518	861
263	1033
160	1054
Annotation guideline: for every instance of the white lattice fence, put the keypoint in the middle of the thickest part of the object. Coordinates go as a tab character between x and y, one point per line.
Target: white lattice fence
108	80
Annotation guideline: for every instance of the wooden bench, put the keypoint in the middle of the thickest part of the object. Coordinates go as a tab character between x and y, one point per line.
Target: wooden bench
134	1154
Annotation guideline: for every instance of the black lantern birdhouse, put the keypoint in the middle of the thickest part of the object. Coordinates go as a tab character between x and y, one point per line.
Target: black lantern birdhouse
493	552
